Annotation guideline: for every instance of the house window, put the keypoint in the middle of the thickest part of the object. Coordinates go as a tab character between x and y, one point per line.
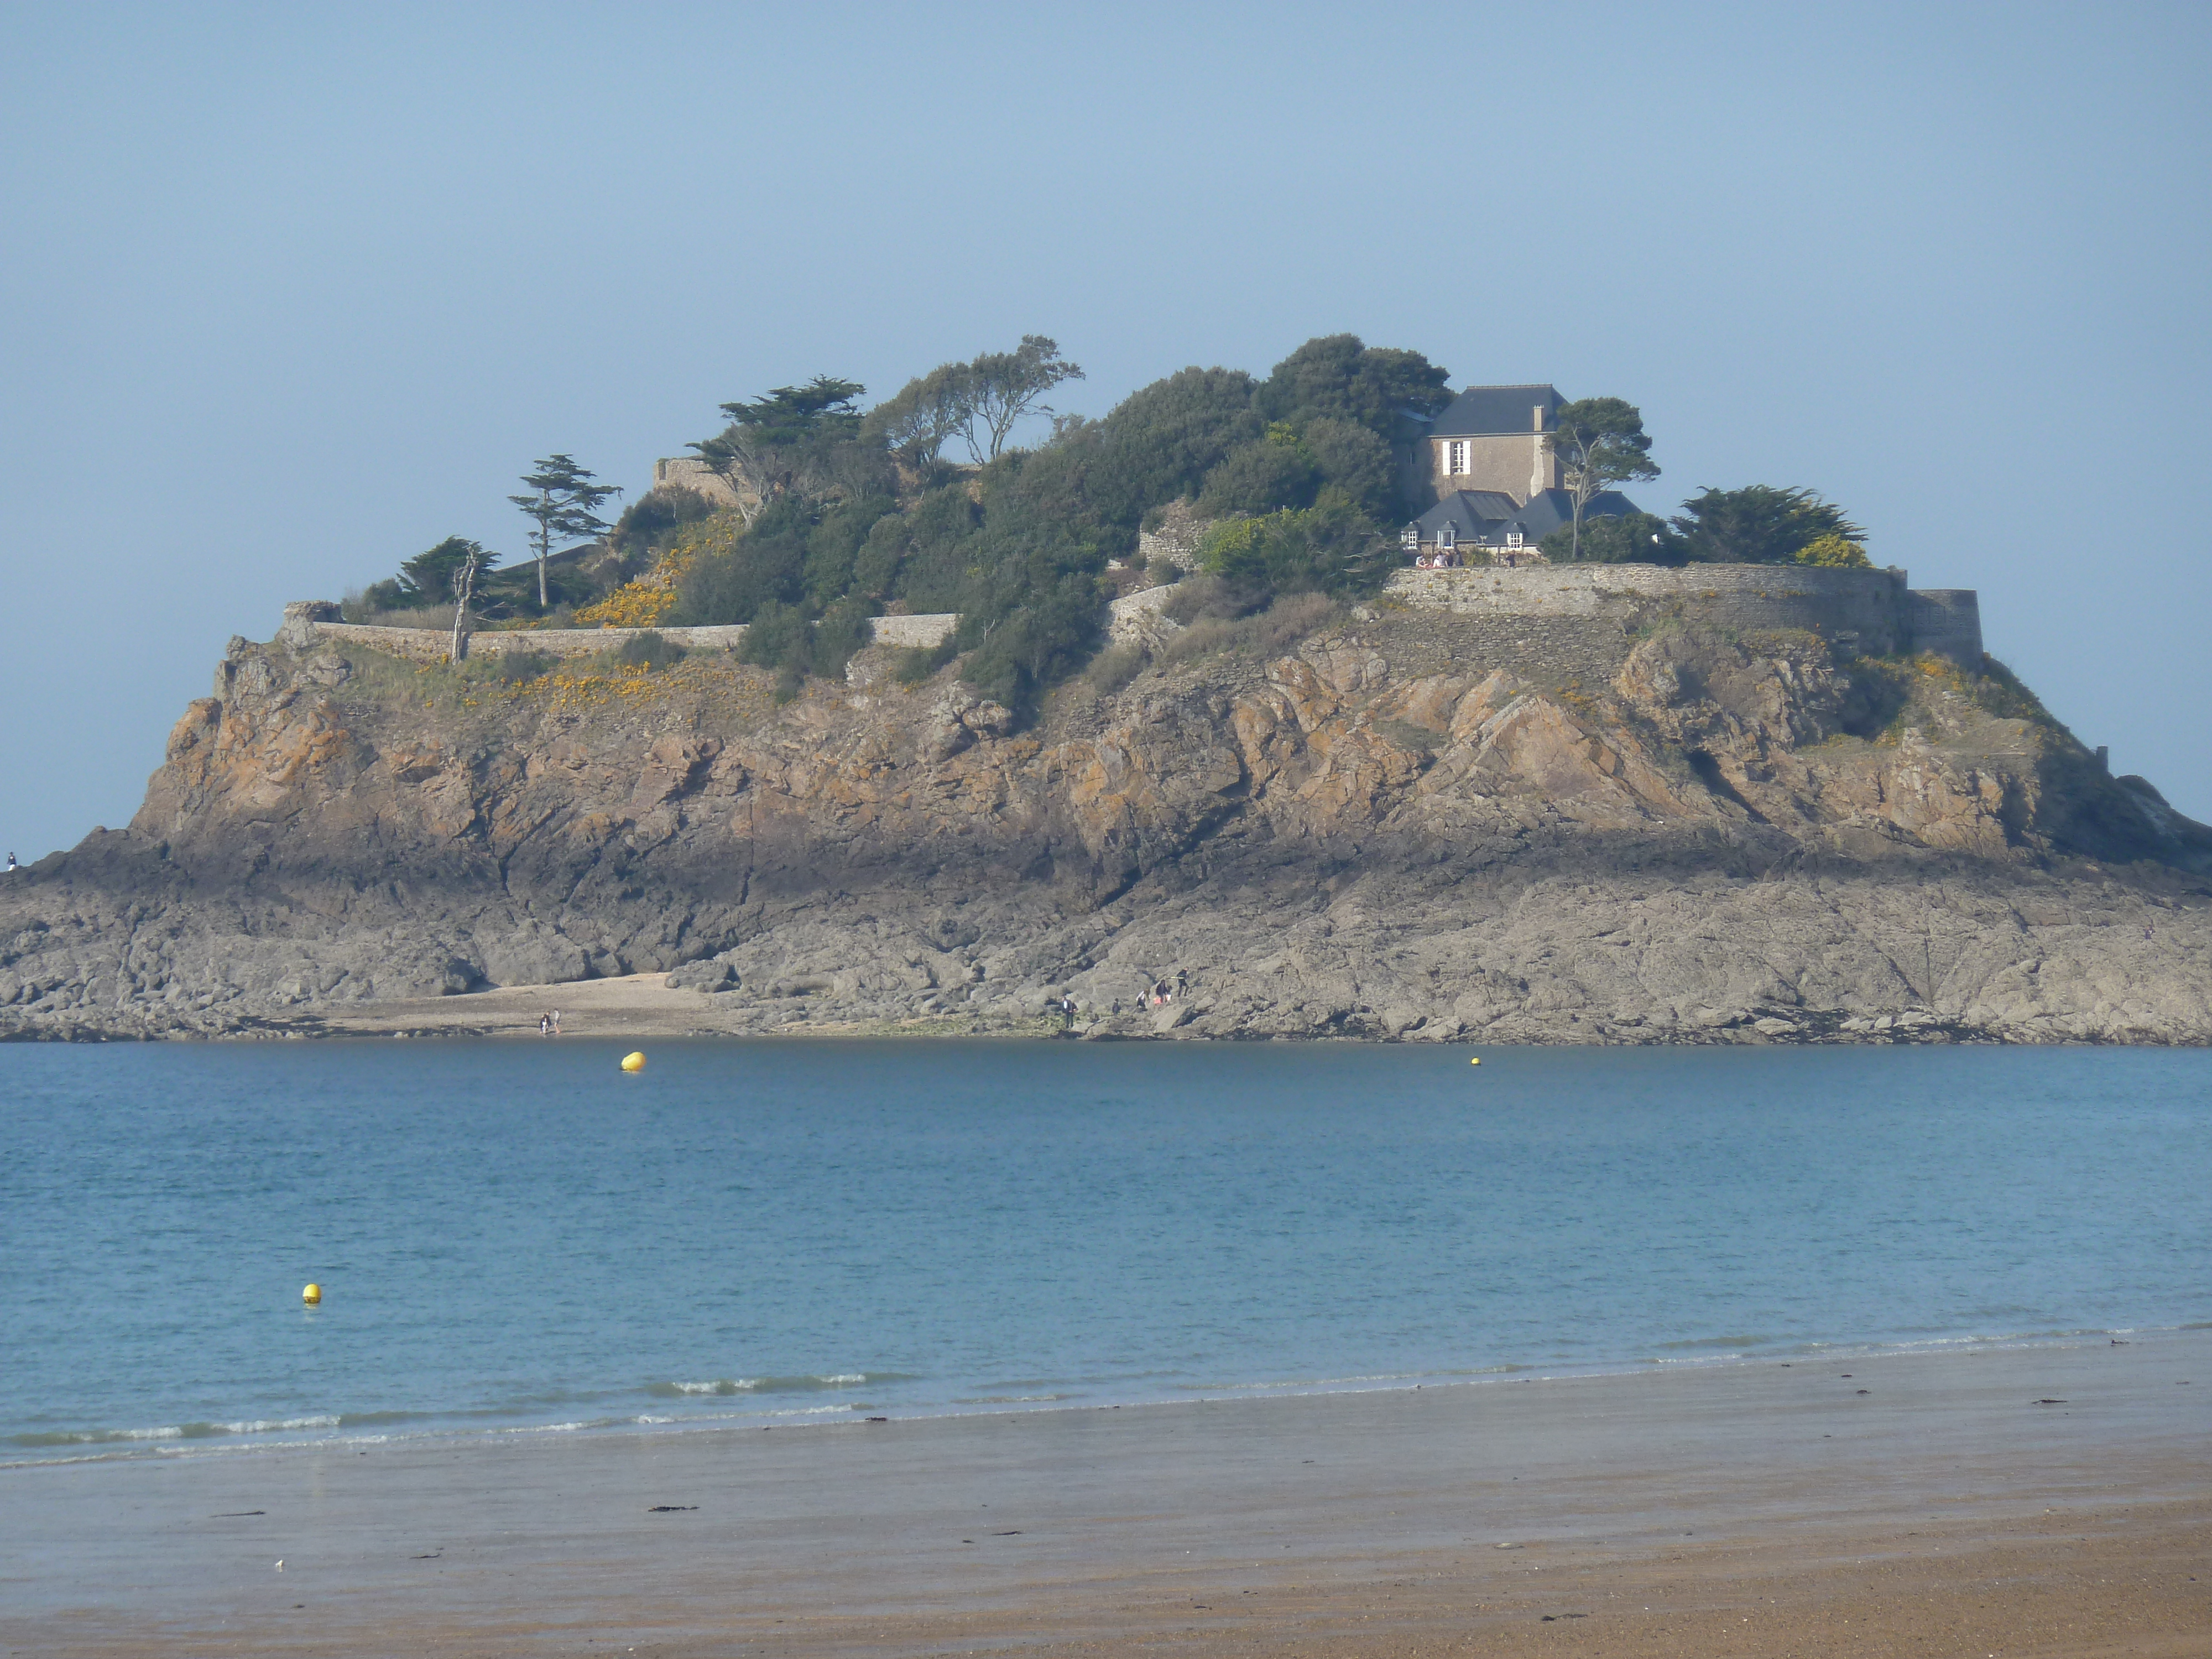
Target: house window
1515	537
1447	537
1456	451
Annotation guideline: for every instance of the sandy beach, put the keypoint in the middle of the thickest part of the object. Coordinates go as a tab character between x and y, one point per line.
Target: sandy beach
2044	1501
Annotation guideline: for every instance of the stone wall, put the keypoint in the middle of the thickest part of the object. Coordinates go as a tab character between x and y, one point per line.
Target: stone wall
303	628
1947	621
1865	611
931	629
1174	537
689	472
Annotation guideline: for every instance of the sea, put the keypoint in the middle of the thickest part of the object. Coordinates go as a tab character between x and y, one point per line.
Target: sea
518	1237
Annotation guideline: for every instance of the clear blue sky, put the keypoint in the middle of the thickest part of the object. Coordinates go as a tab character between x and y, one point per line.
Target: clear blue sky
288	293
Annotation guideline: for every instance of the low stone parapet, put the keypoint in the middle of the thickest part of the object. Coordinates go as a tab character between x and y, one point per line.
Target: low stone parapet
302	628
1869	610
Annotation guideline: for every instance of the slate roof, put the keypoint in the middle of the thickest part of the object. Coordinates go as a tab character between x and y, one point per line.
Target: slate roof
1483	411
1485	515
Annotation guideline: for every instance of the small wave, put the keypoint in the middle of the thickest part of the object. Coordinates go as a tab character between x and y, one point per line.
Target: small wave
1009	1399
171	1431
1697	1342
730	1385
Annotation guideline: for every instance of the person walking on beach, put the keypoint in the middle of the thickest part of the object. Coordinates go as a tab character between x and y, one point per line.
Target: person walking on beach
1066	1011
545	1025
556	1022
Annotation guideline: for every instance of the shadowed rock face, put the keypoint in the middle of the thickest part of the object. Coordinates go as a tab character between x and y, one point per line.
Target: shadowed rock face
1397	830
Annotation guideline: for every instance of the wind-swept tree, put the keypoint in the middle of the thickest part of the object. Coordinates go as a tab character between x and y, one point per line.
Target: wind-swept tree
915	424
1600	442
1005	386
564	502
771	443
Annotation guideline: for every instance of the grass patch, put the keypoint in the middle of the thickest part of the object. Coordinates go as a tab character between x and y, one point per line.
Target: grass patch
1268	633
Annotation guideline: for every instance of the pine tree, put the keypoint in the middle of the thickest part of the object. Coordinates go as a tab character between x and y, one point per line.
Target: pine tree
566	505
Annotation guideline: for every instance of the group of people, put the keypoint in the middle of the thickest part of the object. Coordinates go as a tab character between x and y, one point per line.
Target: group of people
549	1024
1444	558
1162	992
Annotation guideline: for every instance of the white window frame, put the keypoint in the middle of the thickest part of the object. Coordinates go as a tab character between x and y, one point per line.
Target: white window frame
1455	458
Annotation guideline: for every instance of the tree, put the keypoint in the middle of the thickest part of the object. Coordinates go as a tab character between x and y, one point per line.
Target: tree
565	504
1600	442
1330	547
427	578
1340	377
915	424
1005	386
1617	538
773	443
1759	524
472	558
1278	471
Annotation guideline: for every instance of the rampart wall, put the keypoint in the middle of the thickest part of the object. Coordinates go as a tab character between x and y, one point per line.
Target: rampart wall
1871	611
1578	619
308	623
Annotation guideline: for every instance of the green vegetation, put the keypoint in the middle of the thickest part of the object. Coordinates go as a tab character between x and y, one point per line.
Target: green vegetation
1759	525
1834	552
562	504
1600	442
1626	538
836	512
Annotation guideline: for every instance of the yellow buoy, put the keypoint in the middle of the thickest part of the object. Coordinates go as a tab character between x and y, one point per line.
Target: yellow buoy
634	1062
313	1295
1477	1060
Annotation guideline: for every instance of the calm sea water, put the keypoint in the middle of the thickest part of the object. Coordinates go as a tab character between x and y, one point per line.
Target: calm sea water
515	1237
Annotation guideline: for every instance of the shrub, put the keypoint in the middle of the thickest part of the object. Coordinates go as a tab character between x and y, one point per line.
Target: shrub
1115	667
652	522
1208	597
648	650
1330	548
1617	538
777	638
1162	572
1265	633
513	667
1835	552
732	582
912	664
1275	472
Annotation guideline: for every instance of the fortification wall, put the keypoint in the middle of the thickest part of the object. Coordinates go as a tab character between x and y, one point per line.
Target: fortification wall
1861	608
1947	621
312	622
1866	610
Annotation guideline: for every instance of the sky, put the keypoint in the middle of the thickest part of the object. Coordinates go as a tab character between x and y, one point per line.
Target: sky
290	293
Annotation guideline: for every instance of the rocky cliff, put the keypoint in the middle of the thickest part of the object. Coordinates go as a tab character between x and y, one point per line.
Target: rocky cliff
1400	822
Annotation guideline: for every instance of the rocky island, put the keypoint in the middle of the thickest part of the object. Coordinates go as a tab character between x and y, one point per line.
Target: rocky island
1487	799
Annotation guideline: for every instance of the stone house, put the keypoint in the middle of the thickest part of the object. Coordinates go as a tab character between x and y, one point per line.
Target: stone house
1498	490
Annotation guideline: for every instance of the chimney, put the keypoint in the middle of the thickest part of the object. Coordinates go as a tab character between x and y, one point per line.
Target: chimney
1538	412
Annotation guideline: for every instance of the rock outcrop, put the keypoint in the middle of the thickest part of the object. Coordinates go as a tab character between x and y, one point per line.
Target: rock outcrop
1401	826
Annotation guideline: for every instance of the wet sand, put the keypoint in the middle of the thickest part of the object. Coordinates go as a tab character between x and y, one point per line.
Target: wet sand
1923	1504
